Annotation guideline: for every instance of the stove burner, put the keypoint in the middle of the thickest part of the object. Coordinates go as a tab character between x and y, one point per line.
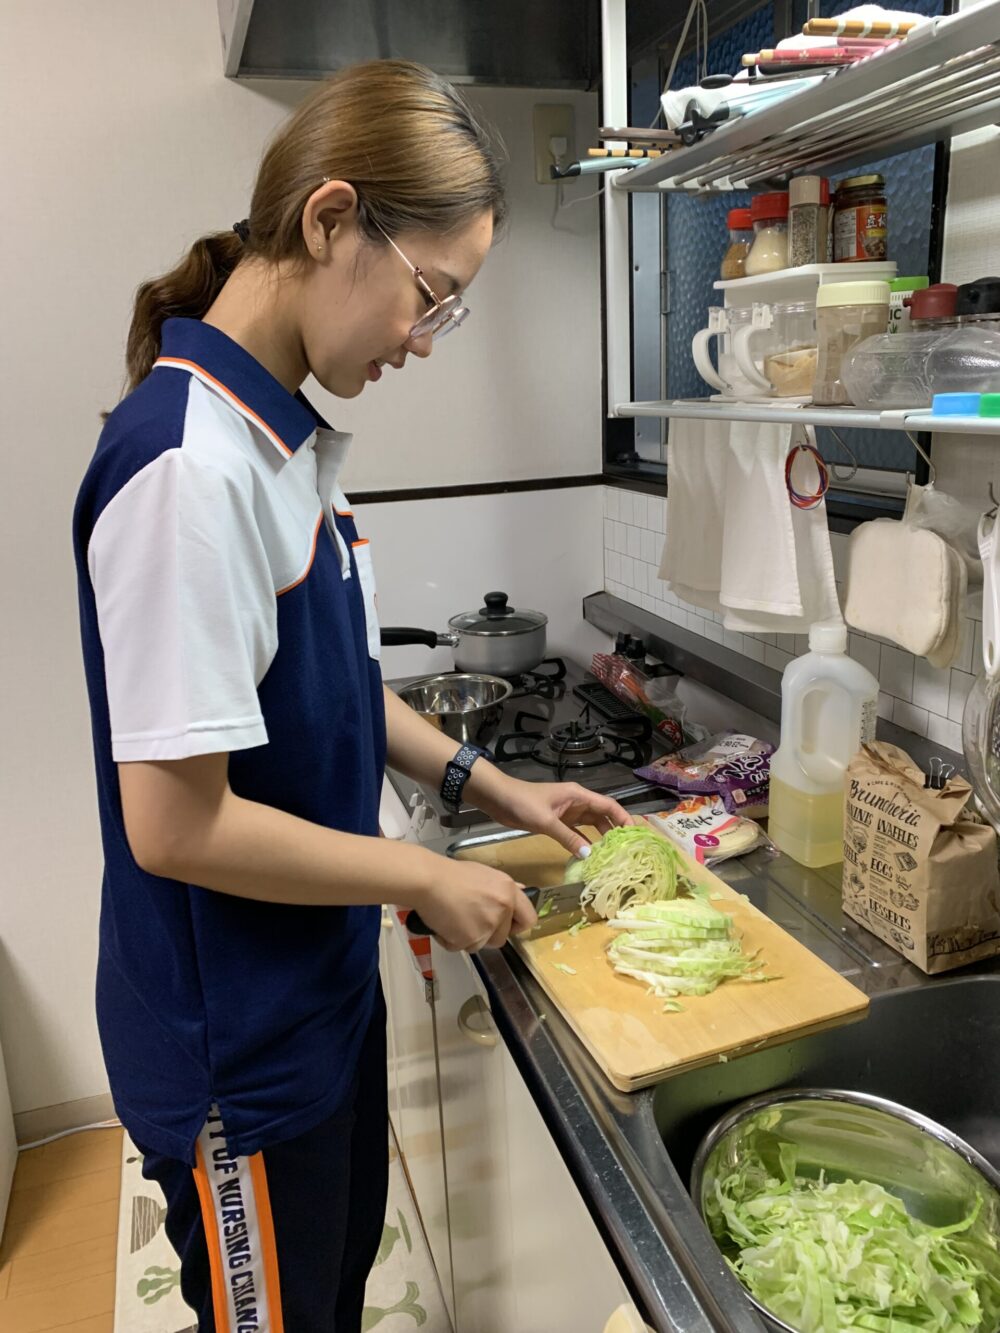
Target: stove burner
575	738
577	744
543	684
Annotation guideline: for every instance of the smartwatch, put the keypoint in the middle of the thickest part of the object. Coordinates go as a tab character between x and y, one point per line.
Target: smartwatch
456	774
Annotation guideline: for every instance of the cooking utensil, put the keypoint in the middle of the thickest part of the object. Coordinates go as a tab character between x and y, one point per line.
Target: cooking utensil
628	1033
554	900
853	1136
497	640
467	707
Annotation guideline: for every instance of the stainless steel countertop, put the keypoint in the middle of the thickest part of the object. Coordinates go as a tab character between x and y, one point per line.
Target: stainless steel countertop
610	1140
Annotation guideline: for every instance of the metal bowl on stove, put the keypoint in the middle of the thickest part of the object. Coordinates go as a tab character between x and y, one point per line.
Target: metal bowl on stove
466	706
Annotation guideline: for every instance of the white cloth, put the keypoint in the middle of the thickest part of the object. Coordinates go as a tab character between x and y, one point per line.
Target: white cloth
735	542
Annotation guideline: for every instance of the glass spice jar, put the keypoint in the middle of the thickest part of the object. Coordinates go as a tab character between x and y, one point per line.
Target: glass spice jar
769	251
860	219
740	225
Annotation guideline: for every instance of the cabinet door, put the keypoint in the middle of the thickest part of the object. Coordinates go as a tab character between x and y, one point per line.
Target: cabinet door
418	1118
564	1280
476	1149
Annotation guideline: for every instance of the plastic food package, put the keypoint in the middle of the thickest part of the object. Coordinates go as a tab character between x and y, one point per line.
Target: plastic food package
730	765
705	829
630	683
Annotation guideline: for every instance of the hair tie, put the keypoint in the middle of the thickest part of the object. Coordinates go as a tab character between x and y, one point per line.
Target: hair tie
808	501
242	230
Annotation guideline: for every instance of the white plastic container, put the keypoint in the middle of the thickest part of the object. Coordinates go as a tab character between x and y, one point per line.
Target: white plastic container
829	706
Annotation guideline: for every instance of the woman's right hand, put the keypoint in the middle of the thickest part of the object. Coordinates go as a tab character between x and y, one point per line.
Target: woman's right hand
471	906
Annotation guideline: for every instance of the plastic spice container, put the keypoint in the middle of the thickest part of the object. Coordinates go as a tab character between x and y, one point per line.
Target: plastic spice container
899	310
890	370
965	359
860	219
807	221
933	307
740	225
846	312
769	251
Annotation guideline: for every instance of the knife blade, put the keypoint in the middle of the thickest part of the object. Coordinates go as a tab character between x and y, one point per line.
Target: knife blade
553	900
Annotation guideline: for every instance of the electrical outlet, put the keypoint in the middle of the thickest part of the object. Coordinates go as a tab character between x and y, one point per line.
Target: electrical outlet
552	122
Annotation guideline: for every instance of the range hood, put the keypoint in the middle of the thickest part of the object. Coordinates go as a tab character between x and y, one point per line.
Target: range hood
504	43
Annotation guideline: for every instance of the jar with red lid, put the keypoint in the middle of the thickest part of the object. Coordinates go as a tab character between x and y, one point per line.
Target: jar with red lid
860	220
740	224
769	251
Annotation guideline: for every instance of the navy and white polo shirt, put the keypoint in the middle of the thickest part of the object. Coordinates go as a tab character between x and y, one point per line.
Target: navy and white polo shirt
227	604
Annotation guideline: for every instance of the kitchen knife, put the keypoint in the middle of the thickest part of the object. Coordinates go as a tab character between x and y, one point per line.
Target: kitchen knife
554	900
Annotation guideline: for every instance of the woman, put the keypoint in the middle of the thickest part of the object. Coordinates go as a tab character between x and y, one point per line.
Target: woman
240	723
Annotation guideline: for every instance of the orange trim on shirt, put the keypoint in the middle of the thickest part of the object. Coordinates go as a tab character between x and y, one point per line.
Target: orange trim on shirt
193	365
312	557
344	513
363	541
268	1245
219	1303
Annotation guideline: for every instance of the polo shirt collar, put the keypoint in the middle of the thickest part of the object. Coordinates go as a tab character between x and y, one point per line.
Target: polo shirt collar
211	355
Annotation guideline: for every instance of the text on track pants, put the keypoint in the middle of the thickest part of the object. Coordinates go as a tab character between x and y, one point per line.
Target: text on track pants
283	1242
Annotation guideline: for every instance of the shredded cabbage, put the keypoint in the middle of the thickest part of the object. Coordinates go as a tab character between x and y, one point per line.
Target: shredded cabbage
629	864
826	1255
681	947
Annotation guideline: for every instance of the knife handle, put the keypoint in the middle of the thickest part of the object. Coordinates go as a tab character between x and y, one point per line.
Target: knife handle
416	925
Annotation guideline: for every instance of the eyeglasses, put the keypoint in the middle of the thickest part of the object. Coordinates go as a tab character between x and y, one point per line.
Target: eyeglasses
442	317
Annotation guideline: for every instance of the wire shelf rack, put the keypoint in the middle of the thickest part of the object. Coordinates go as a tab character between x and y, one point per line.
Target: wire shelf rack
944	79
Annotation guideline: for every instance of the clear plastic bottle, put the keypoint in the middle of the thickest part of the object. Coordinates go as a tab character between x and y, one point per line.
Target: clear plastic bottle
829	705
966	360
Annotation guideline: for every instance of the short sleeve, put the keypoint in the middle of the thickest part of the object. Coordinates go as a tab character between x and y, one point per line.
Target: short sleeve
186	610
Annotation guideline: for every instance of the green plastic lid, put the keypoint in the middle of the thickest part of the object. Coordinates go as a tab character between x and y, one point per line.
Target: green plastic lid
909	284
989	404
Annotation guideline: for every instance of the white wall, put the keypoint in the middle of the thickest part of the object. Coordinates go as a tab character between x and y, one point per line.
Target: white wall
436	558
123	142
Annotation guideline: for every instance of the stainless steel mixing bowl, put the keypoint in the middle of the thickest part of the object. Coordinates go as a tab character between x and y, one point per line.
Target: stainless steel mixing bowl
464	705
853	1136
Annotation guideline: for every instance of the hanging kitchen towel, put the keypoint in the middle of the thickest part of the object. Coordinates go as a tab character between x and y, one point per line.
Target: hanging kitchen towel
697	460
777	565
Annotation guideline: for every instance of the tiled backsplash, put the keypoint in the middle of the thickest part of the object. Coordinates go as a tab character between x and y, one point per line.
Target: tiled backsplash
913	694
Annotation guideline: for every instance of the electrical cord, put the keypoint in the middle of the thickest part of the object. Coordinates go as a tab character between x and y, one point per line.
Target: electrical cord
65	1133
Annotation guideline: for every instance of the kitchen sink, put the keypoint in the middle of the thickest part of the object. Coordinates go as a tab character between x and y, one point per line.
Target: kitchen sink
931	1048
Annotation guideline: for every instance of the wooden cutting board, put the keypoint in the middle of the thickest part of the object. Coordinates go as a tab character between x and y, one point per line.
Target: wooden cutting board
626	1029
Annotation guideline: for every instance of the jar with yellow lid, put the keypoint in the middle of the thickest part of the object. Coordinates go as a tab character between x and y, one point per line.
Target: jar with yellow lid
860	220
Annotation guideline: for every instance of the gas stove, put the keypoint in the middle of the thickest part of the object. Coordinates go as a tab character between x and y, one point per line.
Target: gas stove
559	725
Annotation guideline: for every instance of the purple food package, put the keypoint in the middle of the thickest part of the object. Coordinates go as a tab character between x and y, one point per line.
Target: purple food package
735	767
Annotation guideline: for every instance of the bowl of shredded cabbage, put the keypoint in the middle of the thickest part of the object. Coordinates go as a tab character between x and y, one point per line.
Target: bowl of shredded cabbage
839	1210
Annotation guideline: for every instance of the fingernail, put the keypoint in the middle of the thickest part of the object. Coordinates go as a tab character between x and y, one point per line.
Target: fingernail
583	852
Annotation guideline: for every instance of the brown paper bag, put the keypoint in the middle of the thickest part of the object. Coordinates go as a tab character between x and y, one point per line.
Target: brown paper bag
920	871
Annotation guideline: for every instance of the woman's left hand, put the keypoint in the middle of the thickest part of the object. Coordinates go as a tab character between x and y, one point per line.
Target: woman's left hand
553	808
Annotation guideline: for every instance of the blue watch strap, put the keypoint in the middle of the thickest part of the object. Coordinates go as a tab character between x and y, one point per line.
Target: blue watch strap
456	774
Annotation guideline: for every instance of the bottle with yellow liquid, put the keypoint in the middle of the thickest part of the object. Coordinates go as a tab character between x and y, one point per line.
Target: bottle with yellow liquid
829	706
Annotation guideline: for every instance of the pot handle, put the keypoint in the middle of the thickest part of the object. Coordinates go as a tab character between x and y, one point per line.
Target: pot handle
399	635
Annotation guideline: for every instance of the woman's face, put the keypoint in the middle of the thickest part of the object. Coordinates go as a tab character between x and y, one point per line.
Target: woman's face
360	300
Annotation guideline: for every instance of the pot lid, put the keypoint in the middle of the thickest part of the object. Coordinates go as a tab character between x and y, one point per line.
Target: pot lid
496	617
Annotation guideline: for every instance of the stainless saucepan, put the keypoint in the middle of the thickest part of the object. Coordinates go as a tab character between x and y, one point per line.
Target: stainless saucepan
496	640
